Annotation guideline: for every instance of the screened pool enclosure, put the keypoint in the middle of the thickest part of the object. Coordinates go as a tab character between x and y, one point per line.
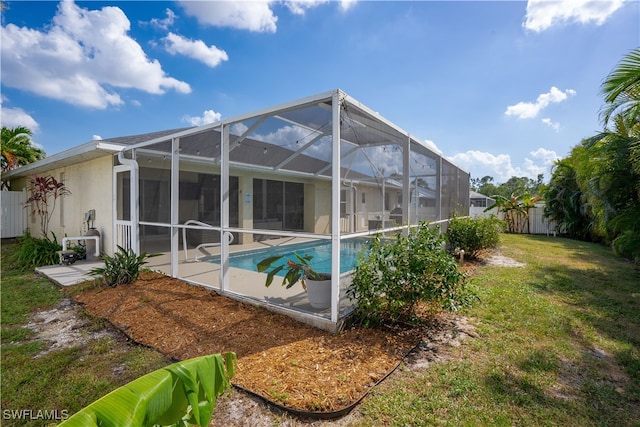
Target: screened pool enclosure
316	176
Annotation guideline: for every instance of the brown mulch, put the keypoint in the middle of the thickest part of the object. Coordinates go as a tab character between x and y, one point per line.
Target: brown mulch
285	361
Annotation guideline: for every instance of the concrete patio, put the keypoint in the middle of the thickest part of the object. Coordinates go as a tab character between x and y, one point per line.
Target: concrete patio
68	275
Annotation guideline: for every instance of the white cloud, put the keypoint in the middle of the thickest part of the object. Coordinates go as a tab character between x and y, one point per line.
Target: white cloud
299	7
243	15
166	23
255	16
432	146
208	116
501	166
548	157
528	110
543	14
82	58
553	125
96	138
238	128
196	49
347	4
15	117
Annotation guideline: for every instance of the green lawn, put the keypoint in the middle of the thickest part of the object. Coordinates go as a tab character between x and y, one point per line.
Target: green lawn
64	380
559	344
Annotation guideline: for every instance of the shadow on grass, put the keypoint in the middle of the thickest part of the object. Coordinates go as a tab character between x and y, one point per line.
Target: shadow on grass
600	309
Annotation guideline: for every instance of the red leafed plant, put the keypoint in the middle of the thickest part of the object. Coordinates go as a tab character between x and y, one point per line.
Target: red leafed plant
44	191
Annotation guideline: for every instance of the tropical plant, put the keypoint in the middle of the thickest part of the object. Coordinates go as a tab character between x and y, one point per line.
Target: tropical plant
17	149
474	234
608	174
121	268
44	191
596	190
564	201
515	210
297	271
184	393
397	274
621	89
32	252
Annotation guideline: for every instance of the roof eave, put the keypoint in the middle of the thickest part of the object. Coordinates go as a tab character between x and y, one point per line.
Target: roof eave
88	151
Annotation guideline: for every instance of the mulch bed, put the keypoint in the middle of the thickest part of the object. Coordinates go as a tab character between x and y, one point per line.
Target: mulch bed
280	359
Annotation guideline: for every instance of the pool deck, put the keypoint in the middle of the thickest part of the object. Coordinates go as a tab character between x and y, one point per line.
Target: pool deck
244	285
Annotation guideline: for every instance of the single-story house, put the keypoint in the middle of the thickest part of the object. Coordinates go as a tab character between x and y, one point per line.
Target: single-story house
316	176
478	203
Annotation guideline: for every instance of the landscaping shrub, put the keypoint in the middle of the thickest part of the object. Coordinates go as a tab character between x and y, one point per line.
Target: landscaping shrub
397	274
473	235
122	268
32	252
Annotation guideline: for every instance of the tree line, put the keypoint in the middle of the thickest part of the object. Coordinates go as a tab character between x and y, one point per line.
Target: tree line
515	185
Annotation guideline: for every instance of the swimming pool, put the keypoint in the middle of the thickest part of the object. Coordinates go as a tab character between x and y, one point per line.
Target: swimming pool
320	250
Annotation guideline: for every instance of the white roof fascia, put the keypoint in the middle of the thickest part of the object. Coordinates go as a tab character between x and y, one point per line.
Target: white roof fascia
50	161
113	148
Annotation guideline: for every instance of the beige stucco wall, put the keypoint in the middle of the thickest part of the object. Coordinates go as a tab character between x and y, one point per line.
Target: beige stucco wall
91	186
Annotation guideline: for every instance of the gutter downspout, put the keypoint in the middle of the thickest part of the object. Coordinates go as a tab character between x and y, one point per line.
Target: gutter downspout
134	200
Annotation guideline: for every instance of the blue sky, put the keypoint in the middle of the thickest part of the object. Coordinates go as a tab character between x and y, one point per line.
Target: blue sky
501	88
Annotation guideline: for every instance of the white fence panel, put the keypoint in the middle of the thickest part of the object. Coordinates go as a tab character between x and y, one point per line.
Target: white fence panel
14	215
538	224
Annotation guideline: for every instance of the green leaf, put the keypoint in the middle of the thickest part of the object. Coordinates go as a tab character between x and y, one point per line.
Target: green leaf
271	274
267	262
163	396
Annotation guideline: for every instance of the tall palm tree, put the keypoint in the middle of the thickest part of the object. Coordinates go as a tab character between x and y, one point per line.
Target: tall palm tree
621	89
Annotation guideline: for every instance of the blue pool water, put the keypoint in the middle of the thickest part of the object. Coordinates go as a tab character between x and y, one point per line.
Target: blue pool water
350	250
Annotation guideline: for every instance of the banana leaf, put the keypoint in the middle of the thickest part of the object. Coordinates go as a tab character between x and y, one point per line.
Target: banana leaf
183	392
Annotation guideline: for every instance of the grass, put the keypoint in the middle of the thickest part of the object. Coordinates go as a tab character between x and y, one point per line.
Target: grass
62	380
559	344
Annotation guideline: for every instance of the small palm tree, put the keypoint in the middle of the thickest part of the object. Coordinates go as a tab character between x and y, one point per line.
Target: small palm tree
515	210
17	149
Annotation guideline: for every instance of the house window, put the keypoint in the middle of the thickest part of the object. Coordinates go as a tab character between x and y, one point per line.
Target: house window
278	205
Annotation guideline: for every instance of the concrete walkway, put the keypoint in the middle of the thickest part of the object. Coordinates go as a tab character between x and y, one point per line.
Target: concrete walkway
67	275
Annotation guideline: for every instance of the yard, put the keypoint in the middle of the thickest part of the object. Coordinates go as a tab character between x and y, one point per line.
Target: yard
555	342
